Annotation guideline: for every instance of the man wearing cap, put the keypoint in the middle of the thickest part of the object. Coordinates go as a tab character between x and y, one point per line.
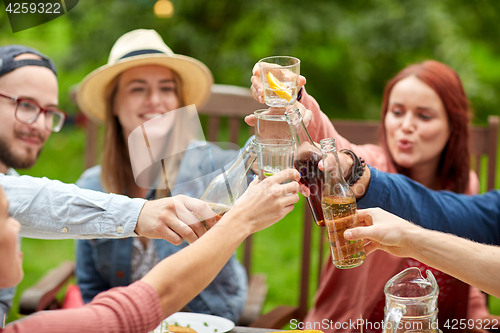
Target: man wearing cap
28	85
53	210
147	90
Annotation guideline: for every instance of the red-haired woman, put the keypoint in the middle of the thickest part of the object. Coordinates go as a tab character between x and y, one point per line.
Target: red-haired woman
425	115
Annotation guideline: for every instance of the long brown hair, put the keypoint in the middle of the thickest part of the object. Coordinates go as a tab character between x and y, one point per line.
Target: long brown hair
116	169
454	165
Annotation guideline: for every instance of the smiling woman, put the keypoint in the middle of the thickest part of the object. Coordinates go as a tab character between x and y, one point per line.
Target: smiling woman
142	80
142	93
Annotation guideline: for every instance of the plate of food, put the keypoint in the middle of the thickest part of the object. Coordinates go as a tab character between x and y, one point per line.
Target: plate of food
189	322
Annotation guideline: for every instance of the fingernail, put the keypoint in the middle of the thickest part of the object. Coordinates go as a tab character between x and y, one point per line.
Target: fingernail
348	234
254	176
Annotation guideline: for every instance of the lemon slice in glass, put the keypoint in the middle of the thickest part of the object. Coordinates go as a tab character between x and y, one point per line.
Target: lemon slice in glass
279	87
268	173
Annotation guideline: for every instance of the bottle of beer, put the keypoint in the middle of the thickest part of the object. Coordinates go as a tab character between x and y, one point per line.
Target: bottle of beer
306	162
339	210
227	187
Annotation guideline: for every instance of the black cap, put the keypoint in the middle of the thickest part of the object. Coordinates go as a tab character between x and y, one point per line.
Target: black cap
9	52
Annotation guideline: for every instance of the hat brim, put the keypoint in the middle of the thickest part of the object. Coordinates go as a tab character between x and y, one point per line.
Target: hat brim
196	80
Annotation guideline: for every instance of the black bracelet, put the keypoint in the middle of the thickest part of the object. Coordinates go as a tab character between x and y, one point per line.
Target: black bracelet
299	95
357	169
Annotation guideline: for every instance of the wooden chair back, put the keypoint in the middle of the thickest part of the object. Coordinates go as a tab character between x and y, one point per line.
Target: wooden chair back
483	143
42	295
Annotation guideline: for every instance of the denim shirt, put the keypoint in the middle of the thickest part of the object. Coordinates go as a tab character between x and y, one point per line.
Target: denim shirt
50	209
106	263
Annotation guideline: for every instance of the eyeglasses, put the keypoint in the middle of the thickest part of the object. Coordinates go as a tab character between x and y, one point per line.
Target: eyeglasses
27	112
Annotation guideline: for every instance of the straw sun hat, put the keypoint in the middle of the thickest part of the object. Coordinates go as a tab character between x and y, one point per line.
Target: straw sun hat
139	48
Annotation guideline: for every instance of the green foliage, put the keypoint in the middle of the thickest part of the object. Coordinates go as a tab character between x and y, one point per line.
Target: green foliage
349	49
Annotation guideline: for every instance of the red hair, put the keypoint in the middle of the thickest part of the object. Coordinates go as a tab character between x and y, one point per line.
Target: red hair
454	164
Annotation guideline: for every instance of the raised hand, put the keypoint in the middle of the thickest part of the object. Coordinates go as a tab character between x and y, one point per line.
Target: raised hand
385	231
174	219
258	88
266	202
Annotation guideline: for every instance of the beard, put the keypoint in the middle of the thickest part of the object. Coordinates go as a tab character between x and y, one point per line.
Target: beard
10	159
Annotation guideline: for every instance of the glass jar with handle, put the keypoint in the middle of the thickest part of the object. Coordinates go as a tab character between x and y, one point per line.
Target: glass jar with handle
411	303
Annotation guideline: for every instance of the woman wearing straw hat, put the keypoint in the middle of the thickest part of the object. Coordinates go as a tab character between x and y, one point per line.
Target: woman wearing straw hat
143	80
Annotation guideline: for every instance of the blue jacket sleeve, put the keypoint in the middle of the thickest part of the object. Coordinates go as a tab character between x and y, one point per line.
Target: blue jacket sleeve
475	217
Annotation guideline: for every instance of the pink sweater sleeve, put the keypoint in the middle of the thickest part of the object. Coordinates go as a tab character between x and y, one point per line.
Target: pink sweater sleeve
321	127
135	308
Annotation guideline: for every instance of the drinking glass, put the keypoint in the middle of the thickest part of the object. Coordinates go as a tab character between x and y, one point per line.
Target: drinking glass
280	77
274	155
271	124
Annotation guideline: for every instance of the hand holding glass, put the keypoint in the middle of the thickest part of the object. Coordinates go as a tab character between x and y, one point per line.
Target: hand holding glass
274	155
280	78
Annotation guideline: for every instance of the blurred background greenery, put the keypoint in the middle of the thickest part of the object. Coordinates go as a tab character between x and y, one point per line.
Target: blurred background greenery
348	49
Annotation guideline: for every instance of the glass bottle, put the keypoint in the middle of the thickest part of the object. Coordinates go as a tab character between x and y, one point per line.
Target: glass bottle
340	211
227	187
306	162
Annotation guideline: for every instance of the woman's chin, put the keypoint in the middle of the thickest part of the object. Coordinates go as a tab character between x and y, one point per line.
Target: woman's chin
404	163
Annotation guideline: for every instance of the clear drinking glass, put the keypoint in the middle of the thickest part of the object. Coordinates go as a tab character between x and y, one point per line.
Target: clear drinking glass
274	155
271	124
280	77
